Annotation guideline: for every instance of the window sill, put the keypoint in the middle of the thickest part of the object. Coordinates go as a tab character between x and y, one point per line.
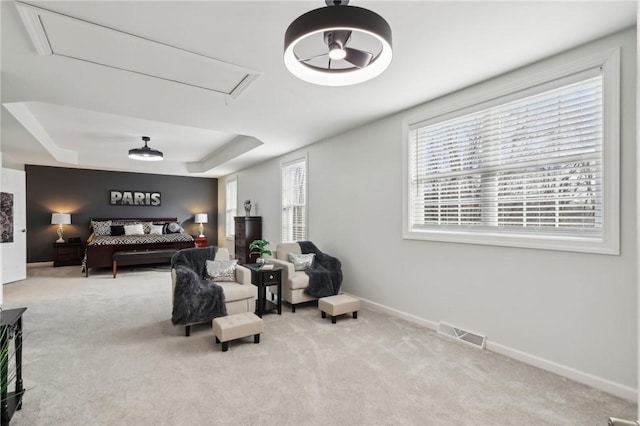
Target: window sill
531	241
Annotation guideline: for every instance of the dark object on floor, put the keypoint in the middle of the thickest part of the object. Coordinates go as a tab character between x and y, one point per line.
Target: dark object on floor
137	257
11	328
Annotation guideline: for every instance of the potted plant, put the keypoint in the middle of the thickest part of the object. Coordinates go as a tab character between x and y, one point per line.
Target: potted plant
259	247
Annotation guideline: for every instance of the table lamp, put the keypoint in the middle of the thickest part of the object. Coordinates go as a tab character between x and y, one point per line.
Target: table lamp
201	218
60	219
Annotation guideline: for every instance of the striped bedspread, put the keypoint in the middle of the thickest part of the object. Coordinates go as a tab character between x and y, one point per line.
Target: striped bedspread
111	240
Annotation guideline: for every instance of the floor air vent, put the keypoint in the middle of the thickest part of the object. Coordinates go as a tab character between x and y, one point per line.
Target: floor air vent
465	336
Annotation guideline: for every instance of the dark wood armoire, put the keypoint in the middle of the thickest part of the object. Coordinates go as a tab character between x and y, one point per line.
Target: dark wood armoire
247	229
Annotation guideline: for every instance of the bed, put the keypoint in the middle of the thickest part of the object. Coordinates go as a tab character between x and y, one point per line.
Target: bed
155	234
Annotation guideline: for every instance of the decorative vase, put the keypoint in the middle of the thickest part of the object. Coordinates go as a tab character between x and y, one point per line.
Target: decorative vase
261	261
247	208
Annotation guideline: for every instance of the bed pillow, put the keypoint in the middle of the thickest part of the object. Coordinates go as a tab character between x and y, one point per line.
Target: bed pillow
301	261
156	229
136	229
117	230
146	226
222	270
101	228
172	228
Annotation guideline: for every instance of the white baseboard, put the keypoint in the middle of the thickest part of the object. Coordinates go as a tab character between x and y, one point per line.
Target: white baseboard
617	389
396	313
596	382
40	264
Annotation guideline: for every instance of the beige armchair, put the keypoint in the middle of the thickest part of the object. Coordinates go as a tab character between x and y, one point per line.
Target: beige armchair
239	295
293	282
321	278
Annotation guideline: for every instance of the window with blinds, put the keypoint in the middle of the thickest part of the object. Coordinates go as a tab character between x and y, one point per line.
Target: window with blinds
529	165
231	203
294	201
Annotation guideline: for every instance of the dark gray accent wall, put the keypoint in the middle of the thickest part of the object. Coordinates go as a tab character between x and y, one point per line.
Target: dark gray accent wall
85	194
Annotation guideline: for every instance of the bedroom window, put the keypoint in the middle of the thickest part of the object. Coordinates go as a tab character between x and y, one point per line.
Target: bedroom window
231	203
294	201
534	168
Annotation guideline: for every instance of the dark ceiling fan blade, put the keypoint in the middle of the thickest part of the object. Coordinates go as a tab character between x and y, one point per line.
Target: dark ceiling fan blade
359	58
339	36
310	58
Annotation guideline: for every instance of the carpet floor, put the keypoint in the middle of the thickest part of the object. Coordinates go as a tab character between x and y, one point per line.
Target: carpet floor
103	351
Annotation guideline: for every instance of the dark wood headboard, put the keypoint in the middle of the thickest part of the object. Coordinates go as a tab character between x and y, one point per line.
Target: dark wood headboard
139	219
134	219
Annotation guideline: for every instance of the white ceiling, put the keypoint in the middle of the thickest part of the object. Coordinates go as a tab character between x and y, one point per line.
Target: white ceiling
64	112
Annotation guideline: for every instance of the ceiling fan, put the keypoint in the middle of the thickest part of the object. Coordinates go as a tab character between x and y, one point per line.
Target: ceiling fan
336	41
355	45
145	153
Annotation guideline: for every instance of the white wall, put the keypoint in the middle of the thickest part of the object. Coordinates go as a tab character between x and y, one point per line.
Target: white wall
573	313
1	246
638	183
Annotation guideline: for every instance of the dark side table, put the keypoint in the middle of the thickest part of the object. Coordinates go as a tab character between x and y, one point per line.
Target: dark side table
67	254
263	278
10	328
201	241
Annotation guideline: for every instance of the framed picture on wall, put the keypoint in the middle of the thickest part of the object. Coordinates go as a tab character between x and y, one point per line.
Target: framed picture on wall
6	217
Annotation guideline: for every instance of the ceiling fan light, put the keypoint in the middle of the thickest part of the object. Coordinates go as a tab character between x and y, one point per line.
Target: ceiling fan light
145	153
336	52
331	18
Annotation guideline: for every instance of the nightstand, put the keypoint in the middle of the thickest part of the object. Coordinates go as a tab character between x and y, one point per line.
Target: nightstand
263	278
66	254
201	241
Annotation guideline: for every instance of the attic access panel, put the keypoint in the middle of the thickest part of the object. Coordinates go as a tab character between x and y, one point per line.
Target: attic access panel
56	34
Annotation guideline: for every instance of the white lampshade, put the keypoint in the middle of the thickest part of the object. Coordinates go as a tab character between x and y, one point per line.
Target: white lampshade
60	218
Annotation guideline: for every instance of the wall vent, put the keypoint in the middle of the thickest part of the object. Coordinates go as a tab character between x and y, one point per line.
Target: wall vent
461	335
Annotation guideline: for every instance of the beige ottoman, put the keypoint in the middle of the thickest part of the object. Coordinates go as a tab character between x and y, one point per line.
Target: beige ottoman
338	305
237	326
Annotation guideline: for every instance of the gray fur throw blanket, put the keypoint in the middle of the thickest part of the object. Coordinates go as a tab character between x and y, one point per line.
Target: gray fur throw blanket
194	259
196	298
325	275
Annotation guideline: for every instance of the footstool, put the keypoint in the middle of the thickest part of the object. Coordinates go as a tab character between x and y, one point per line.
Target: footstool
237	326
338	305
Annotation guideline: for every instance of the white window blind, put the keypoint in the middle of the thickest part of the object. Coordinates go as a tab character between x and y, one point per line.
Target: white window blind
231	203
294	201
529	163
